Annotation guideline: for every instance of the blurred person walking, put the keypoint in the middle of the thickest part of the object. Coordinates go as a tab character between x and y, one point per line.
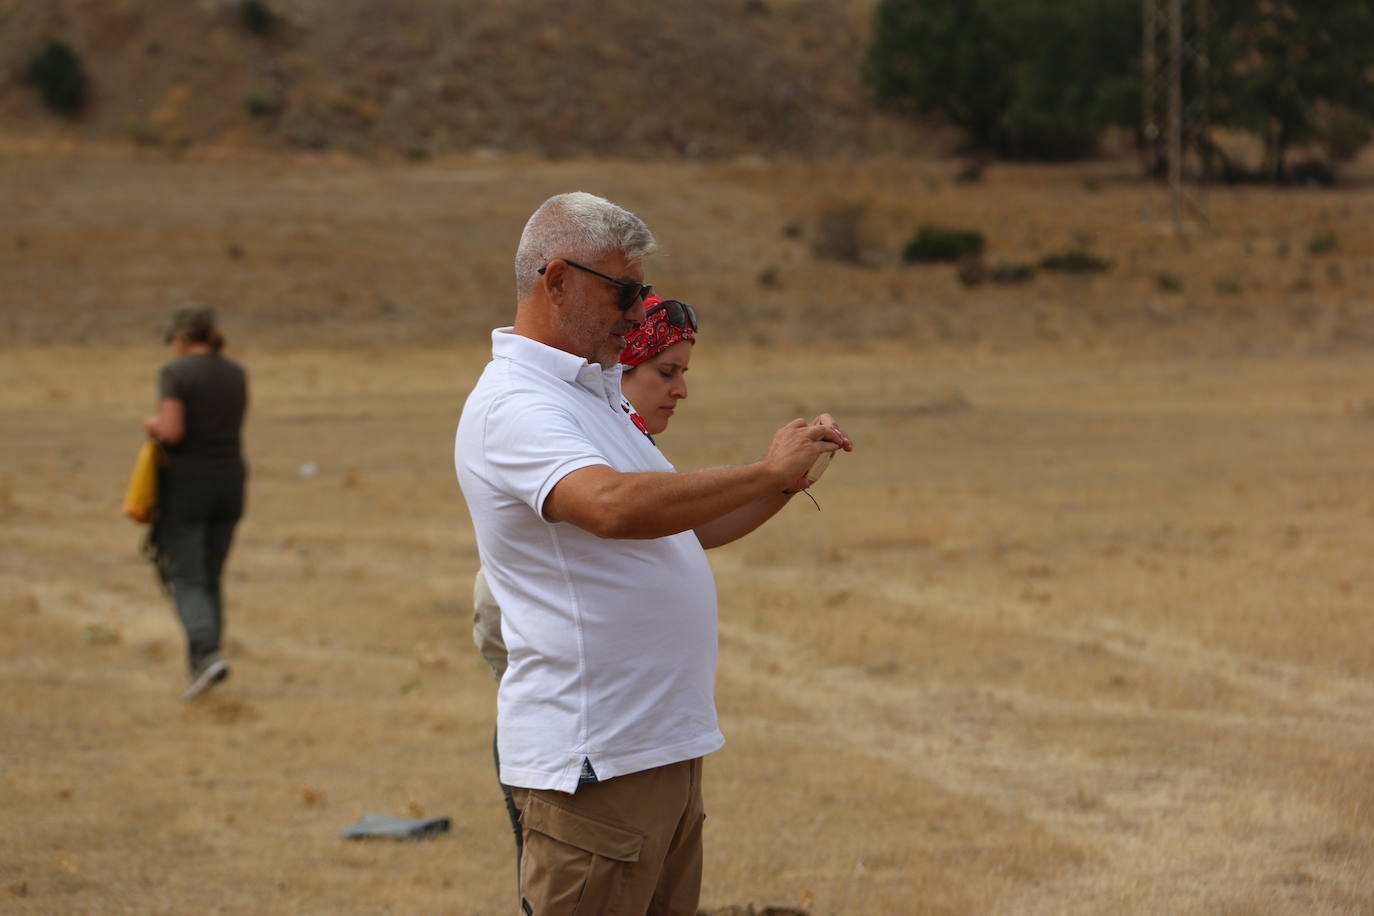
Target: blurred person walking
202	399
593	547
654	374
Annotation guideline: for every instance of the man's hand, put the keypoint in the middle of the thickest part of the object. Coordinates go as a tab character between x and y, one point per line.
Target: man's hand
828	421
797	445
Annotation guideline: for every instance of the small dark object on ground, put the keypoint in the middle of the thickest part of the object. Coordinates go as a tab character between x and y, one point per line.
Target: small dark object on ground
385	826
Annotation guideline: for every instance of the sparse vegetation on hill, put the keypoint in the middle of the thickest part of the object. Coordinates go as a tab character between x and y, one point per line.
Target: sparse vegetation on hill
345	253
689	78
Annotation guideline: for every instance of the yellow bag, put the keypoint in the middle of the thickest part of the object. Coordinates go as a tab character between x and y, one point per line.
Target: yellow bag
140	497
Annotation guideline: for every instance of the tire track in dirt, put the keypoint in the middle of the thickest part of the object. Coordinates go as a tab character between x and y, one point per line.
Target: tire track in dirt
1297	690
1149	819
136	622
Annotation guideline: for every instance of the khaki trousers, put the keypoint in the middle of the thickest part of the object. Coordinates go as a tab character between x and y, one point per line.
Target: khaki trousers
629	846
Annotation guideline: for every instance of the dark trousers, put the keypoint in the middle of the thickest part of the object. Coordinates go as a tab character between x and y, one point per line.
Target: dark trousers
197	512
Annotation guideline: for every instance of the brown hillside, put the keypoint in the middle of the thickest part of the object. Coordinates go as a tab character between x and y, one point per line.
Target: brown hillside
689	77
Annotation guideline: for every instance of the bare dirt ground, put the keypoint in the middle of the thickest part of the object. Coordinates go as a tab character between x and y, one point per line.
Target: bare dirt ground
1082	626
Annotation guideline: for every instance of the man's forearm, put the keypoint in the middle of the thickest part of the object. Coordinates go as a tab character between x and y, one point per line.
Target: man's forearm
645	505
612	504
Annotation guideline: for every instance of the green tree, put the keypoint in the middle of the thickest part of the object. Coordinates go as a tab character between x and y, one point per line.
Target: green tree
1294	72
1024	78
1041	78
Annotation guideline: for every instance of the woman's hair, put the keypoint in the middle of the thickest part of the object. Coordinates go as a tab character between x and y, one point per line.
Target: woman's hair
210	336
580	226
195	324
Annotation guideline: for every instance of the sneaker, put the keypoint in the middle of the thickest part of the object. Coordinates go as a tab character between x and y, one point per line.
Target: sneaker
215	670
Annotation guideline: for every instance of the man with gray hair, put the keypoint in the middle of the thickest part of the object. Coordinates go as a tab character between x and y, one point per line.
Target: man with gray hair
592	544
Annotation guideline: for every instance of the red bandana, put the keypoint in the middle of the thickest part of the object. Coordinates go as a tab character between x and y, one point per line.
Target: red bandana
652	337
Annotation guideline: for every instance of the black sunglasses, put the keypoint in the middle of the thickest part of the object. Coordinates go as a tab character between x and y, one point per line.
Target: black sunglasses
680	314
630	292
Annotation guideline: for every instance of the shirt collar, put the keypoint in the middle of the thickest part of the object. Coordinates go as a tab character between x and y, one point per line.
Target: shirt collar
562	365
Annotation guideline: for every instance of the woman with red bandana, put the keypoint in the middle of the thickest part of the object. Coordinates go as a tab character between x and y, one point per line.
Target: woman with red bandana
655	361
655	358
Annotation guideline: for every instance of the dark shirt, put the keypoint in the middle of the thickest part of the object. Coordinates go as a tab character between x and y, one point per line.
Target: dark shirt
214	390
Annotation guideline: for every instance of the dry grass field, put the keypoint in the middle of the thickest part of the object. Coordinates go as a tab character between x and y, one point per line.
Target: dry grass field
1082	627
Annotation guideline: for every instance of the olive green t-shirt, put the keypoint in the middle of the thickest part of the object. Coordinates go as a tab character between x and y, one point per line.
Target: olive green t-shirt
214	390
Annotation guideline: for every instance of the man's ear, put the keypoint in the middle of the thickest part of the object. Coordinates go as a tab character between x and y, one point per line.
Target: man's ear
555	279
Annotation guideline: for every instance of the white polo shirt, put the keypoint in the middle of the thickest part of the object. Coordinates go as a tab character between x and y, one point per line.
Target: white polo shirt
611	643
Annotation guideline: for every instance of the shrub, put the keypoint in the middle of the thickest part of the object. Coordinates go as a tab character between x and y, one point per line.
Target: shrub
1313	173
971	172
256	16
57	72
1007	274
1344	133
1168	282
769	278
941	243
1075	261
972	271
262	104
1322	243
839	236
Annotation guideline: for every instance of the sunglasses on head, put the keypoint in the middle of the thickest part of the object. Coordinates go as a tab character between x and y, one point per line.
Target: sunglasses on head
680	314
630	292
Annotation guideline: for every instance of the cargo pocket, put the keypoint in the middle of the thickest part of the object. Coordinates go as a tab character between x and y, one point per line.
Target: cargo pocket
574	864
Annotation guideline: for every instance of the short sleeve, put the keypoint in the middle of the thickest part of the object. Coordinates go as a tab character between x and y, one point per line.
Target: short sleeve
532	446
169	384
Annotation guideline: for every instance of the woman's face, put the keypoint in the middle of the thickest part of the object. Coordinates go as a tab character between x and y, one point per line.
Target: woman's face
656	385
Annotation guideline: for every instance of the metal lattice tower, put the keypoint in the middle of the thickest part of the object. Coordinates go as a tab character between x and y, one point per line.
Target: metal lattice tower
1174	107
